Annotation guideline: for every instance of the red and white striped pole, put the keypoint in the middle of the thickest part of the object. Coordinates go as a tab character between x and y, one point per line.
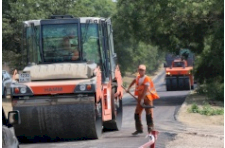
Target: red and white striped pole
152	140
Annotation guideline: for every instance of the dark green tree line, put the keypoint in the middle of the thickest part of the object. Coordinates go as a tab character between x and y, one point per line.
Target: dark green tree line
17	11
129	50
175	24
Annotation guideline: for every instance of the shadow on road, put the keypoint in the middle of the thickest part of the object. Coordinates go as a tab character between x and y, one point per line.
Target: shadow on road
48	140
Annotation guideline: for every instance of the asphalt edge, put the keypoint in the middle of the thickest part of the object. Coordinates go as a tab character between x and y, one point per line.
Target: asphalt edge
158	75
176	115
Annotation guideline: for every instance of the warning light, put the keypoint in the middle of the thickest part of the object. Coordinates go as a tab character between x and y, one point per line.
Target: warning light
89	87
16	90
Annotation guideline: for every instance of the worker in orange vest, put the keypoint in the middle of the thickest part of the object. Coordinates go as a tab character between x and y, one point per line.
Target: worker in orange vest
146	93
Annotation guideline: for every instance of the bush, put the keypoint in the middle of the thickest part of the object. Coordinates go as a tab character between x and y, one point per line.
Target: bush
219	112
214	90
194	108
205	110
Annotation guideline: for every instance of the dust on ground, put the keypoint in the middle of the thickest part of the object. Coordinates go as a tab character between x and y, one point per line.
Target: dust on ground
202	131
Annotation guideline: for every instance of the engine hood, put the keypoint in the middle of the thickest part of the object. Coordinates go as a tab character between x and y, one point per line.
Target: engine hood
61	71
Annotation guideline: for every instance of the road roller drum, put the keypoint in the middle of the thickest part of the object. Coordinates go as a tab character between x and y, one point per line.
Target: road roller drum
80	120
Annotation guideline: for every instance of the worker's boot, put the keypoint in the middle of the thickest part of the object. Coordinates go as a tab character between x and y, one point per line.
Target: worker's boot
138	125
150	124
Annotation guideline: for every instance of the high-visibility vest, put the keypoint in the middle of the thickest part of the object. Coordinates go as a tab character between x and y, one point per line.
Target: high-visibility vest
151	92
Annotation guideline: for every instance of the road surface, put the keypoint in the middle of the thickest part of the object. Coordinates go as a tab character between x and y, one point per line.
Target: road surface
164	117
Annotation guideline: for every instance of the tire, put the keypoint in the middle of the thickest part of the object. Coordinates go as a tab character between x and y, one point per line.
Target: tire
186	84
117	114
181	83
174	84
192	87
98	122
168	85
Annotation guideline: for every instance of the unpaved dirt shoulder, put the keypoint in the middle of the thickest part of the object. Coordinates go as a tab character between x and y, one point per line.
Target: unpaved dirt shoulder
195	141
201	131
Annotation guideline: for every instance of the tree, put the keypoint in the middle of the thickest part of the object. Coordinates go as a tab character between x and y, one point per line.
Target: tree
17	11
197	25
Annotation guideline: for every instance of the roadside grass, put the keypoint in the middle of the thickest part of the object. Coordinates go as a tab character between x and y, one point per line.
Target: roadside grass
199	110
206	109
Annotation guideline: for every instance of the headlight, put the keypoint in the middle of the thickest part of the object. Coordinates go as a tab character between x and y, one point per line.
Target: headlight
82	87
23	90
168	73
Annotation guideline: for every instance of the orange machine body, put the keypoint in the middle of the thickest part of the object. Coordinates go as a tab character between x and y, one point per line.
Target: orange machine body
179	69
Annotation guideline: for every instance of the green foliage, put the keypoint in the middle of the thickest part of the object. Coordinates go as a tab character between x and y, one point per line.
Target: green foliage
143	30
125	84
148	55
194	108
130	51
140	53
205	110
214	90
219	112
14	12
171	25
13	58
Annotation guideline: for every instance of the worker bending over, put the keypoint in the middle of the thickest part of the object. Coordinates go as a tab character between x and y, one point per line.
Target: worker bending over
146	93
